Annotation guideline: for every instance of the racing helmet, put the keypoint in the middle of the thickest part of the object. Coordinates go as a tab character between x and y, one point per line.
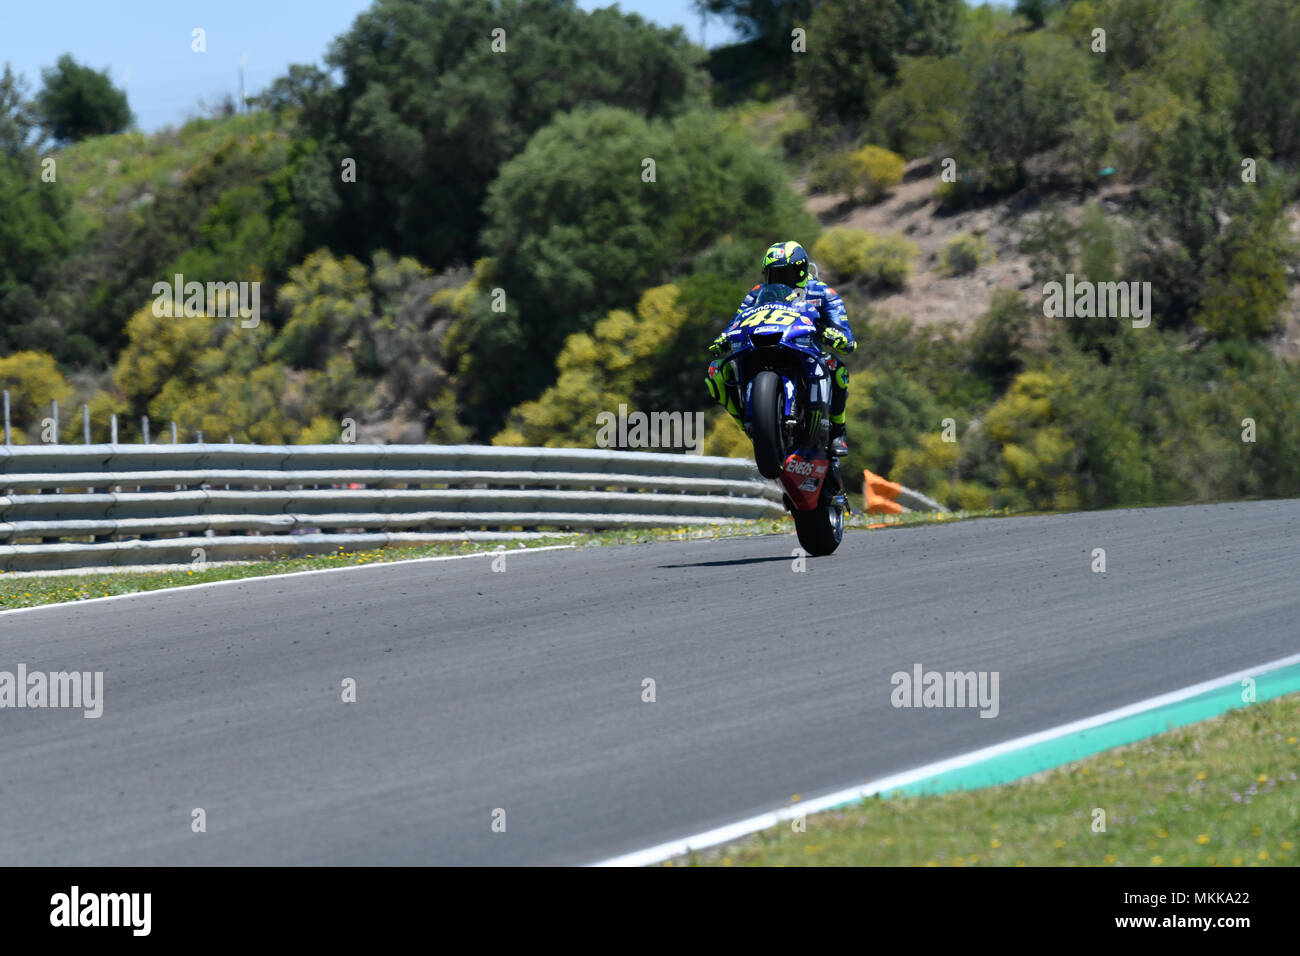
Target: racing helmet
786	263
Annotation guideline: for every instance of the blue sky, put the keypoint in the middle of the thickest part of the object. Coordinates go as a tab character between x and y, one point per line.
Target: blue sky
668	12
145	44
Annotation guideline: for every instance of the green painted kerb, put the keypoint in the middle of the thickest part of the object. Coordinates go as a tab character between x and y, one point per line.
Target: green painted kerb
1062	750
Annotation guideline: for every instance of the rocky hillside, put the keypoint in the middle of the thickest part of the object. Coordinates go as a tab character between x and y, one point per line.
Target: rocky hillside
931	297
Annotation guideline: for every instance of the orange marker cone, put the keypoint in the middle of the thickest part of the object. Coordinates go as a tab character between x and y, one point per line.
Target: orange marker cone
880	494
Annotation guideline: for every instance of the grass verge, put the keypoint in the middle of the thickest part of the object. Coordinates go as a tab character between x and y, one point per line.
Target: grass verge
1222	792
16	592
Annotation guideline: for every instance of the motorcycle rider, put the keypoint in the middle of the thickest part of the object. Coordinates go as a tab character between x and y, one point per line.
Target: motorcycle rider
786	263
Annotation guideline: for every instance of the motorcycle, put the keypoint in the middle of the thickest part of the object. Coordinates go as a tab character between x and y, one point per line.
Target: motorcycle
785	389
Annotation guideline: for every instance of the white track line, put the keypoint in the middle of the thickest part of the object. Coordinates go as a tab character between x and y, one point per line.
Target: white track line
281	577
743	828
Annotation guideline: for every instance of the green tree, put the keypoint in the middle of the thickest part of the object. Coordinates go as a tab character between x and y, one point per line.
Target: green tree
1201	224
671	373
1037	454
34	232
595	372
999	337
1093	251
1245	295
430	105
1102	412
887	412
405	344
230	217
855	49
921	115
20	127
578	226
328	301
304	84
998	130
1271	396
855	255
33	381
77	101
1028	95
1036	11
759	18
875	172
165	352
1260	40
963	254
247	226
930	464
247	406
33	240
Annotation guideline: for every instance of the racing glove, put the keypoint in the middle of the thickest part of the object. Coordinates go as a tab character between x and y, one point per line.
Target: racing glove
837	340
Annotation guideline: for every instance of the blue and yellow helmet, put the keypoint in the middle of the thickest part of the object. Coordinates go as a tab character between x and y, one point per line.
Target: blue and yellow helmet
786	263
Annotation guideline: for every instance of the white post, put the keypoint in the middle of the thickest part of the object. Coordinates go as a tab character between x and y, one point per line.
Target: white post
144	428
112	426
6	416
85	423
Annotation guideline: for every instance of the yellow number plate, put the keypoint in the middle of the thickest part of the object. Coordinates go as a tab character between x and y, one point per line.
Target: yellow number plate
771	317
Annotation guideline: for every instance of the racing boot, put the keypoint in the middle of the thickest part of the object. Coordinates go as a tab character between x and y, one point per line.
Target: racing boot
834	489
839	443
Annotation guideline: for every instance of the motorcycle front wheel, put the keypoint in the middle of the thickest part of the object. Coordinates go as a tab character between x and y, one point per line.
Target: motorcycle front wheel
768	404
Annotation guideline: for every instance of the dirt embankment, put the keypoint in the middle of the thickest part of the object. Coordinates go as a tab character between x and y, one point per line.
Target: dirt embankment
931	297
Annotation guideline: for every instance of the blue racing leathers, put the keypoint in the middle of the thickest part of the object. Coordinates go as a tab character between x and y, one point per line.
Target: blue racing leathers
839	342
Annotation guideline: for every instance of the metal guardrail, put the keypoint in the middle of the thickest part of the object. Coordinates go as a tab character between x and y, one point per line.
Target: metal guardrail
67	506
912	500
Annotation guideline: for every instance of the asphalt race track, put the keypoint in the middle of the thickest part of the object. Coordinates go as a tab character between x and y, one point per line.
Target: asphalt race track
522	690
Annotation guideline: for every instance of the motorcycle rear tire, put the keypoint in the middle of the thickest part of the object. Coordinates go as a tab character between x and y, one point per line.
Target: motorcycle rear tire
819	530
